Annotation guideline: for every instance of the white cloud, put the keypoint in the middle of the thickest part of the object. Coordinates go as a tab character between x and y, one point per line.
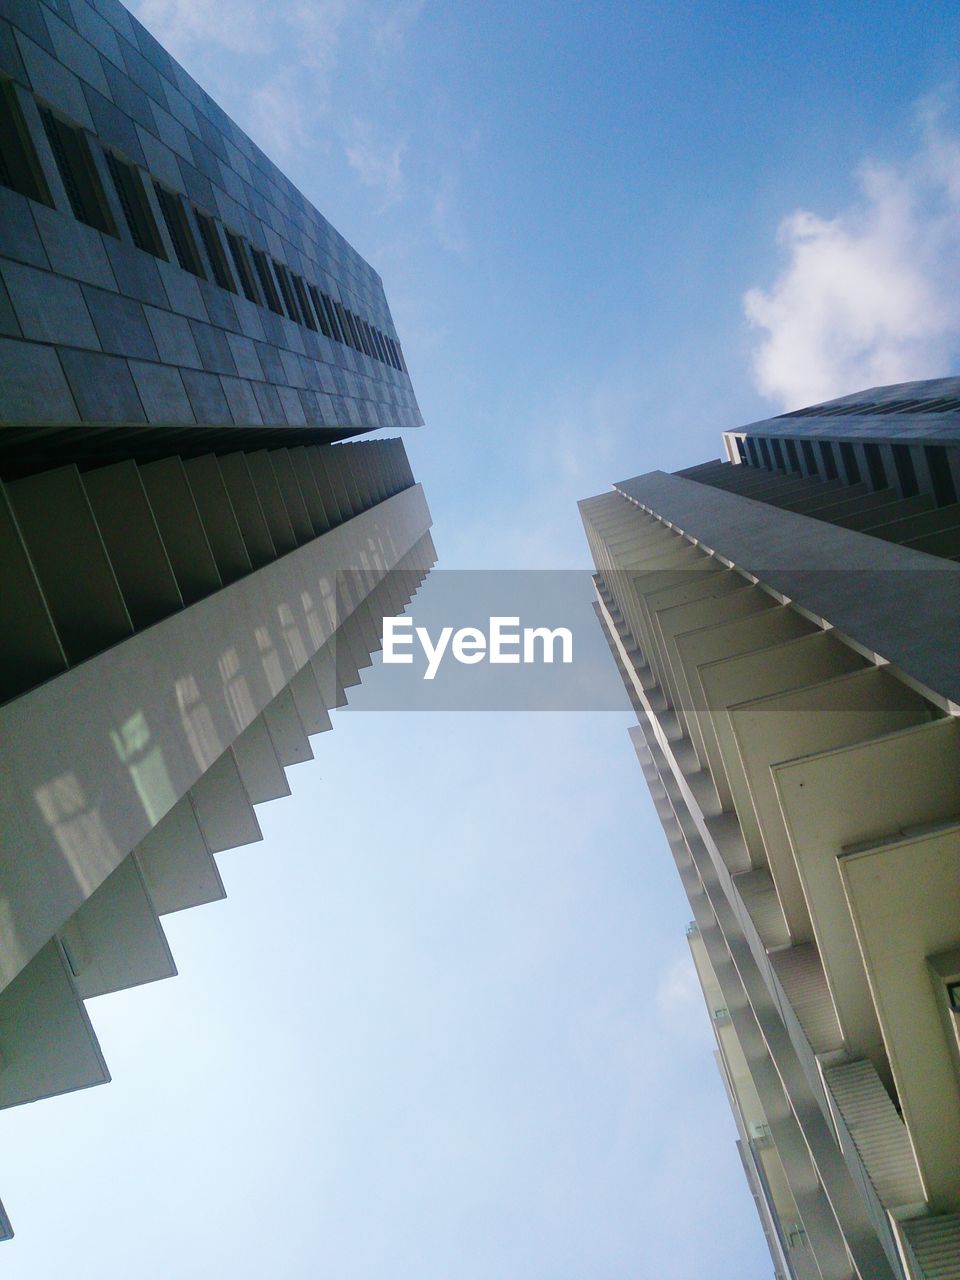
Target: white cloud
678	992
287	70
378	165
316	27
180	25
678	999
390	29
276	119
867	297
297	43
447	220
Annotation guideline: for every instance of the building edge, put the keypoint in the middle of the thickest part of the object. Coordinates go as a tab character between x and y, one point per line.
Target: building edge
785	638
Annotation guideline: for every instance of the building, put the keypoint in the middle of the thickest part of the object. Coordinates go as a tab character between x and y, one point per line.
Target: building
193	567
786	624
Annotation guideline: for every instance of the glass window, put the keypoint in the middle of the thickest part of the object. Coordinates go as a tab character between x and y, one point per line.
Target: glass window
181	237
135	205
78	172
19	163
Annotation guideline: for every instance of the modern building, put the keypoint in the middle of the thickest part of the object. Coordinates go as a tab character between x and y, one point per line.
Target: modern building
787	626
192	568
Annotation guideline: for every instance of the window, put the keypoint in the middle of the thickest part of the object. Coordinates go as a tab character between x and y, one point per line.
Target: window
809	457
753	452
381	349
368	339
351	328
283	276
850	465
765	454
19	164
181	237
829	461
777	448
878	473
78	172
906	472
792	456
305	308
135	205
320	310
358	329
333	318
342	316
741	448
361	336
266	281
375	342
214	247
938	464
238	253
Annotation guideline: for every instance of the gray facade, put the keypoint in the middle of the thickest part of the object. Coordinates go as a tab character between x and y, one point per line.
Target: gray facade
164	270
900	441
788	639
194	567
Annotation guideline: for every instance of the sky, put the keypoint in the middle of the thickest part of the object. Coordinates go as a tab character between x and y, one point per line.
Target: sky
445	1023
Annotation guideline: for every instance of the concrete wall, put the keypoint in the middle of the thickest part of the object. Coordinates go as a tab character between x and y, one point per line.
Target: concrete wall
94	758
883	596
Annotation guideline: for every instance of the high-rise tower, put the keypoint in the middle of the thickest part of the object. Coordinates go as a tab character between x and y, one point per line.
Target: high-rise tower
786	624
192	569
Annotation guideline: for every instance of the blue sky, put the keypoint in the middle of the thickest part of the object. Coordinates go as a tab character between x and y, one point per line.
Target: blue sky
445	1025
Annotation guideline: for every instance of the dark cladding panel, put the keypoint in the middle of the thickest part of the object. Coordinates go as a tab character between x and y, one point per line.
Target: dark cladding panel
117	172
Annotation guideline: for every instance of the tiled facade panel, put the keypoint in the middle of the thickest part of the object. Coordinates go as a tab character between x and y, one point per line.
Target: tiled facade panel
905	411
884	461
99	318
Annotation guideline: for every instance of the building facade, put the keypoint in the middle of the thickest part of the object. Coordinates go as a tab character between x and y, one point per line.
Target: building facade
193	566
787	626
